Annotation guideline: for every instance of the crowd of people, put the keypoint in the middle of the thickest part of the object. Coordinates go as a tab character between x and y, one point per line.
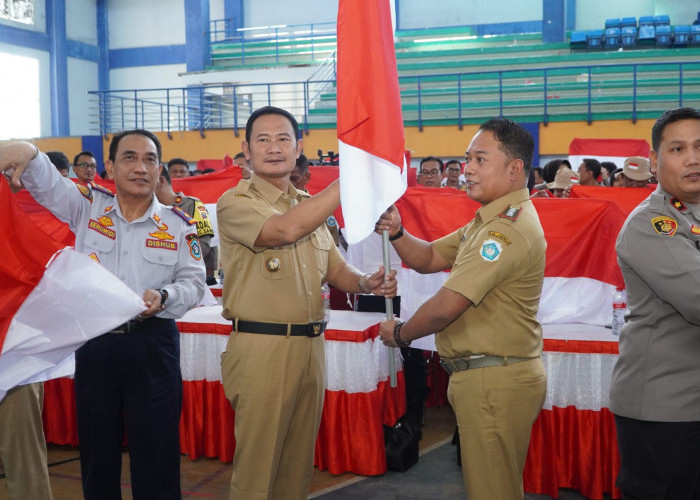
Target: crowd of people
278	248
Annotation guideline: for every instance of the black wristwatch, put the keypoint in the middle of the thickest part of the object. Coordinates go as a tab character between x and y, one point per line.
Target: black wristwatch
163	297
398	234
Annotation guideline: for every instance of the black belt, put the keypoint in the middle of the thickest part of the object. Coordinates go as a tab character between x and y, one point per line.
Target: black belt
136	325
307	330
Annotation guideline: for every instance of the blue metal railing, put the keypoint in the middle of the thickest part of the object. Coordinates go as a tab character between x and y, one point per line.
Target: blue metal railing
541	94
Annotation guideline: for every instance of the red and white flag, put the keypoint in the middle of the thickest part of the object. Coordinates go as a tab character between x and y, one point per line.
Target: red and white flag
370	125
52	300
614	150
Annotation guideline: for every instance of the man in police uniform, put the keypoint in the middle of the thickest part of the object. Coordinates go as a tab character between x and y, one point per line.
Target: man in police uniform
485	313
195	209
276	253
655	392
130	377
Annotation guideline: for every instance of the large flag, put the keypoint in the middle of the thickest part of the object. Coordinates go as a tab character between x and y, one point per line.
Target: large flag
370	125
614	150
52	300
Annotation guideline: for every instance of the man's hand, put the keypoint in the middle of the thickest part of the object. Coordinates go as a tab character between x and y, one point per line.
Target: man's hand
386	332
151	299
380	284
14	158
389	220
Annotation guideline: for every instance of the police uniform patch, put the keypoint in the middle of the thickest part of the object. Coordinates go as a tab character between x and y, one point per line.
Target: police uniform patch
500	236
511	212
94	257
695	229
85	191
97	187
273	264
203	211
105	231
105	221
195	249
108	208
161	235
678	205
330	221
664	225
491	250
165	245
183	216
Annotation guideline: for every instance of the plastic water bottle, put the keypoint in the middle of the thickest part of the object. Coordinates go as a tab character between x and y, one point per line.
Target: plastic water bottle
619	310
326	297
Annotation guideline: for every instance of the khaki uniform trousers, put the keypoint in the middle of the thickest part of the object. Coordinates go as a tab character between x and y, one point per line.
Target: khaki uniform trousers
495	408
276	386
22	443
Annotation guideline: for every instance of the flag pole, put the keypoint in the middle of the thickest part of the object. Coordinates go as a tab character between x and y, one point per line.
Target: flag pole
389	305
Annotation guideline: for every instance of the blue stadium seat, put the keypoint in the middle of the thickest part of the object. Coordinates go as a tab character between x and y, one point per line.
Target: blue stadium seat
681	36
646	21
628	21
662	20
594	39
612	38
694	35
578	40
613	22
663	35
647	35
629	36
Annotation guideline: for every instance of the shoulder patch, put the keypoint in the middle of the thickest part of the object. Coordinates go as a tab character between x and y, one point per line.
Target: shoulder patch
195	248
511	212
331	221
183	215
101	189
501	236
491	250
665	226
678	205
85	191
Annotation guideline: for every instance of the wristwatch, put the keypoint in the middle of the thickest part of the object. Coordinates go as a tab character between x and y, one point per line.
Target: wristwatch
163	297
398	234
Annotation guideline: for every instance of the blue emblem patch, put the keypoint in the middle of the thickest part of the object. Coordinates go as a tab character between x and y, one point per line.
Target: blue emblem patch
491	250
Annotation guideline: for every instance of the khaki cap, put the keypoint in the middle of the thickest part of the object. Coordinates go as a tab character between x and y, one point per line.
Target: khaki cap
565	177
637	168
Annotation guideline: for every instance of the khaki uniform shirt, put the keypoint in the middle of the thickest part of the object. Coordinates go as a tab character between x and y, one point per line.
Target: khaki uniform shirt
276	284
657	374
498	264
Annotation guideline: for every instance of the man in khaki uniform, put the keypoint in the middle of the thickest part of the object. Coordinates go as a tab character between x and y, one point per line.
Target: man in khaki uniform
485	313
276	253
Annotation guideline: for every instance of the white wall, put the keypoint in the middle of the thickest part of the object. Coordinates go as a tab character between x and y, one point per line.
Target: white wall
216	9
271	12
136	23
83	107
81	21
147	77
422	14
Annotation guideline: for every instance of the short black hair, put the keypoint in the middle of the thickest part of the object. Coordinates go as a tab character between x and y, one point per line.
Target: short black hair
270	110
83	153
551	168
610	166
178	161
432	158
59	160
302	163
515	141
165	174
670	116
453	162
239	155
593	166
137	131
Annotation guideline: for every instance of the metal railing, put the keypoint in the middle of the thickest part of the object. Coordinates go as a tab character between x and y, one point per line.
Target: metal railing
589	92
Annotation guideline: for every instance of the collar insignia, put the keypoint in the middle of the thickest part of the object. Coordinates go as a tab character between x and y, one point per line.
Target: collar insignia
511	212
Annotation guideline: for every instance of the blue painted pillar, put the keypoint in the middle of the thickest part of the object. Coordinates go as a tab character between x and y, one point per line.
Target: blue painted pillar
570	15
198	54
553	21
103	66
234	14
56	31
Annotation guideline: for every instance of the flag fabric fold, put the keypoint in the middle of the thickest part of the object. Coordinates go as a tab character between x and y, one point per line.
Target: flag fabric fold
370	124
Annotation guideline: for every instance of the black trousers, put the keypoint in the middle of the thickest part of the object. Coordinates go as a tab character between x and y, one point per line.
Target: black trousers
660	460
130	382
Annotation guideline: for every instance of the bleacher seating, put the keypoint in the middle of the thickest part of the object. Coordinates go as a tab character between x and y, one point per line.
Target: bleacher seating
663	35
628	36
694	35
646	21
647	35
662	20
594	39
628	22
578	40
612	23
681	36
612	38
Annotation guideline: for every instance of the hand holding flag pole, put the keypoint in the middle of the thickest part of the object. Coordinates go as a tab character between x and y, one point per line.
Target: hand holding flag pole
389	303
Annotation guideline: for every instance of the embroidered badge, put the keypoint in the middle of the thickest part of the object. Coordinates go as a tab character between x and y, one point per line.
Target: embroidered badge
161	235
85	192
178	200
97	187
511	212
331	221
491	250
105	221
94	257
665	225
501	236
108	208
183	215
695	229
273	264
195	249
166	245
203	211
678	205
96	226
156	218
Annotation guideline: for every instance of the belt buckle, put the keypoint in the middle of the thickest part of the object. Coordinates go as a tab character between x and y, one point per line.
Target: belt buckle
315	329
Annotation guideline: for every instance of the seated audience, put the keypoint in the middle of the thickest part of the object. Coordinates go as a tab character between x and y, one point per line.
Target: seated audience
589	172
430	172
454	177
636	172
178	168
561	187
60	161
85	167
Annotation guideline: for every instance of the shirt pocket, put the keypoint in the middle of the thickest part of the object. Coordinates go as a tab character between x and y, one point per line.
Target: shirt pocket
276	263
99	245
322	242
163	252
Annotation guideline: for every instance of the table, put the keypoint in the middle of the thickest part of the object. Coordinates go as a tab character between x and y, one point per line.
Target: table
358	399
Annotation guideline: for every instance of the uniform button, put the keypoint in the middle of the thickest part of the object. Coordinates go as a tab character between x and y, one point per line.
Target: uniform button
308	292
304	266
285	197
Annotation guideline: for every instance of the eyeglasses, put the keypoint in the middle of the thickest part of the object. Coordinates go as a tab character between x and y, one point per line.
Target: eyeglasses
429	172
86	165
453	169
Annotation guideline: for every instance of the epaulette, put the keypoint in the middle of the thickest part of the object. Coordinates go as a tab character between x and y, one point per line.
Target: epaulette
678	205
511	212
180	213
101	189
85	192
